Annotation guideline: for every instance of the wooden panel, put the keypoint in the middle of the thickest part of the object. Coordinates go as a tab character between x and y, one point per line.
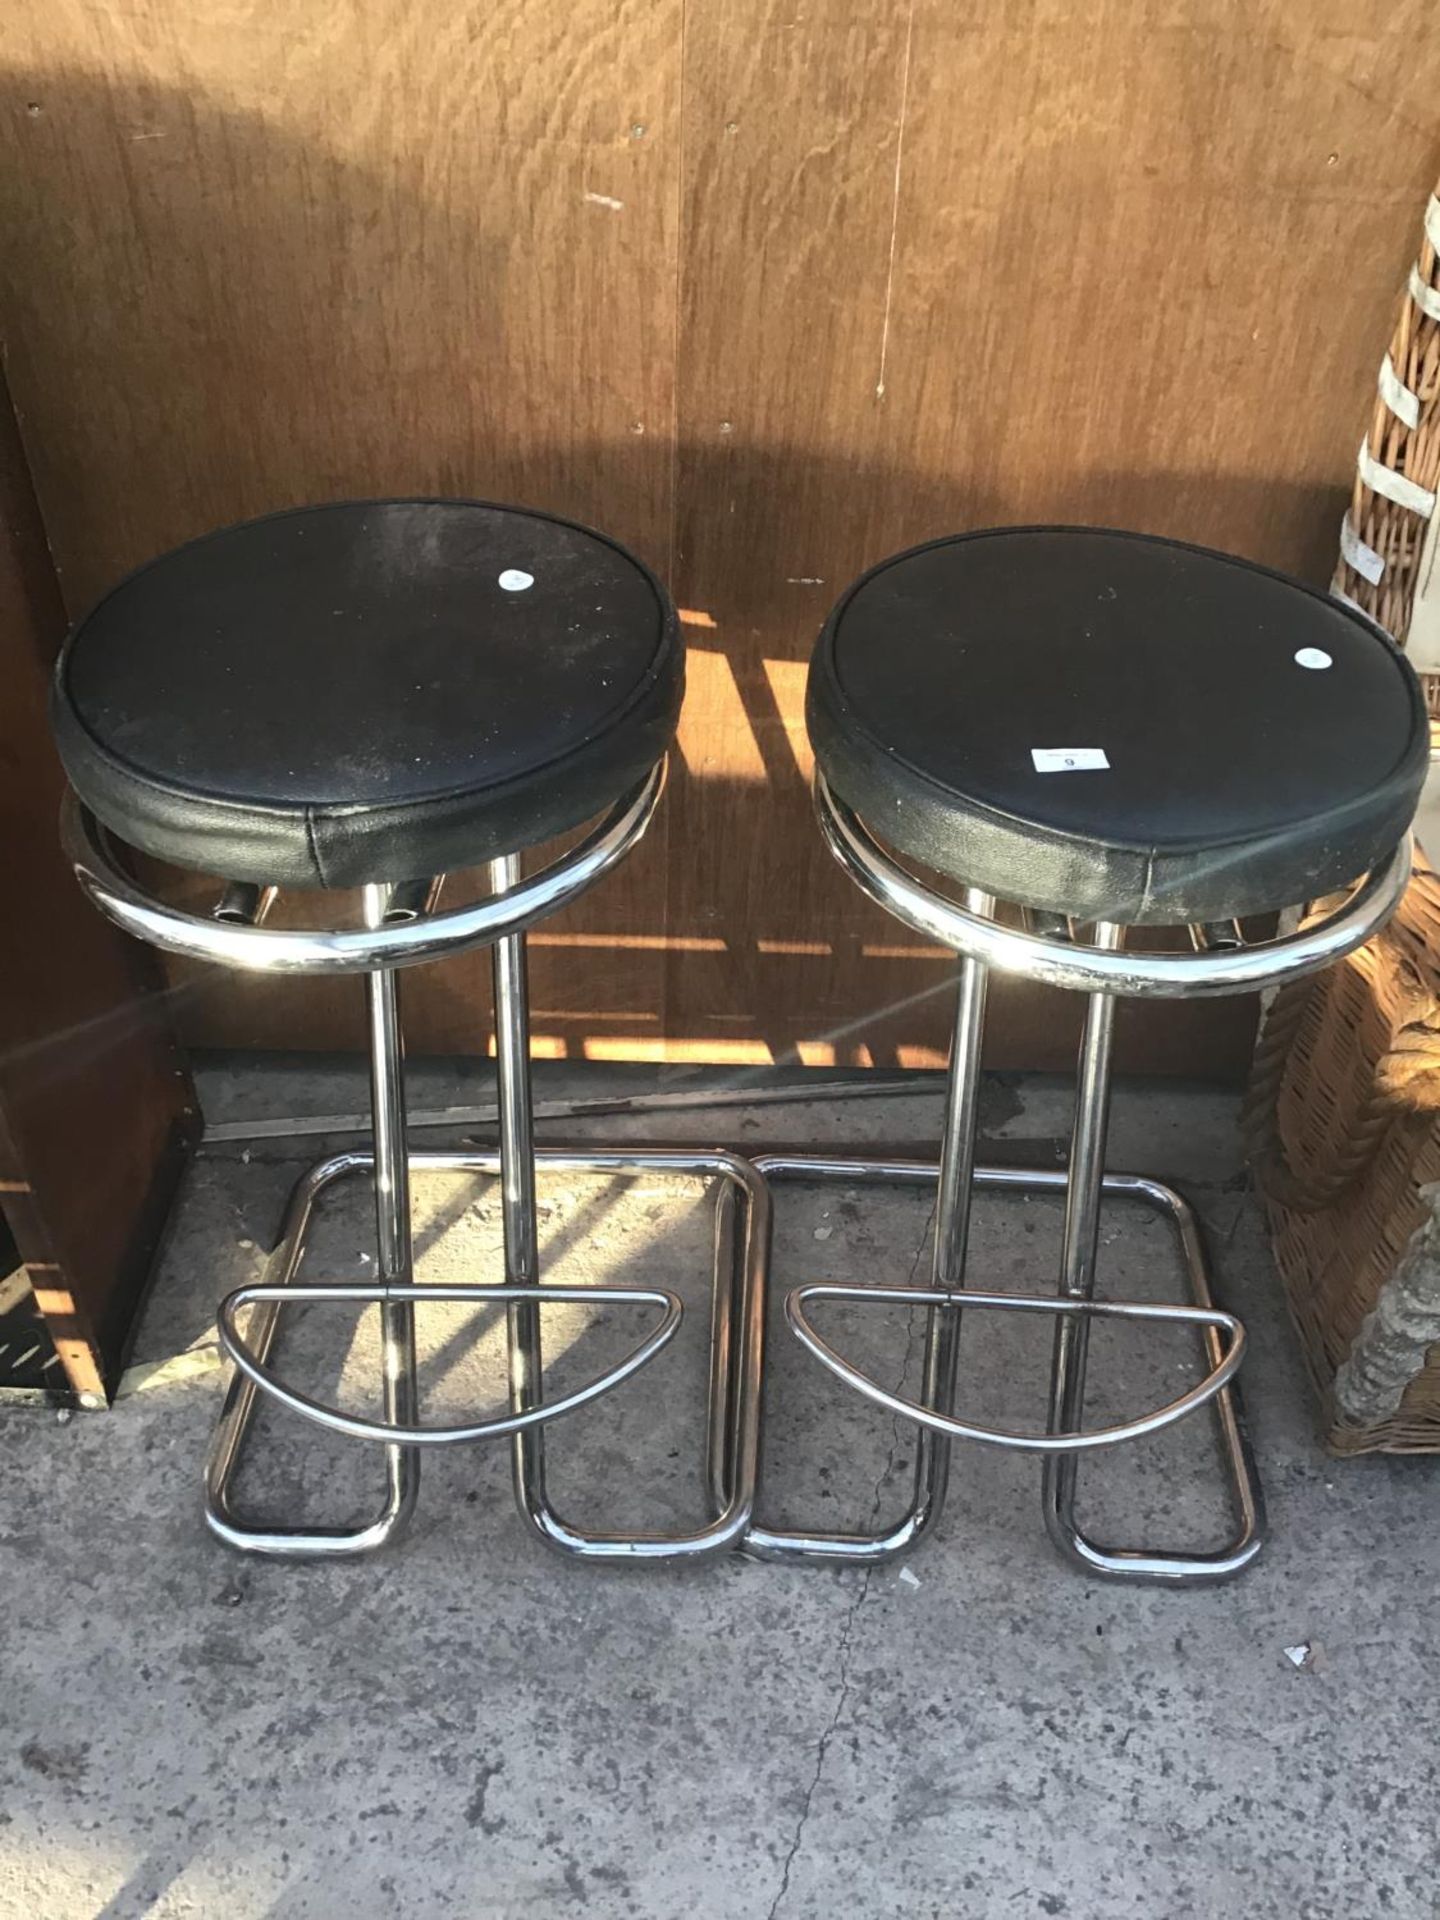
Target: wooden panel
953	265
95	1105
874	274
258	255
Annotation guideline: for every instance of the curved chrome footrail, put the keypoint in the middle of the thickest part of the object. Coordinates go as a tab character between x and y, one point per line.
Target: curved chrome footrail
930	1479
736	1350
400	929
1047	948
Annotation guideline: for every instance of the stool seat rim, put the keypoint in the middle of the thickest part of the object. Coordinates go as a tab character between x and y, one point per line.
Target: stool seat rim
297	950
1116	726
359	692
1056	963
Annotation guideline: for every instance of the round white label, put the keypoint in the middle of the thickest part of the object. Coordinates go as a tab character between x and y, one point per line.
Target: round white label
514	581
1313	657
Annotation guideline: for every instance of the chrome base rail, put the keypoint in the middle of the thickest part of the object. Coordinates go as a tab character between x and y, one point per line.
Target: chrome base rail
736	1354
404	925
932	1461
402	1464
737	1335
1217	960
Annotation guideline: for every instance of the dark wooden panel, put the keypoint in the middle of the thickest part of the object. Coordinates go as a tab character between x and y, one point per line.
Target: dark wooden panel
95	1104
255	256
259	256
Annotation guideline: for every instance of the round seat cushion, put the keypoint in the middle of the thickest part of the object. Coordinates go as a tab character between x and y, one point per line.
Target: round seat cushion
368	691
1116	727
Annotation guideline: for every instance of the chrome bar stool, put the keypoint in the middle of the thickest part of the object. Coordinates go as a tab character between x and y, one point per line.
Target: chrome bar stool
1106	731
371	696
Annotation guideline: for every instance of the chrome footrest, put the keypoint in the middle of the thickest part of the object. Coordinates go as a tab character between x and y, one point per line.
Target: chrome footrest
736	1353
359	1428
1065	1308
1220	1335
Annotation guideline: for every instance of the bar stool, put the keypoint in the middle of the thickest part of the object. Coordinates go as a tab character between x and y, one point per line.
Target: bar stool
371	696
1106	731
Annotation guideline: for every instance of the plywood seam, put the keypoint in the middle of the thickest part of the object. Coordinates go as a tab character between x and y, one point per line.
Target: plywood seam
895	201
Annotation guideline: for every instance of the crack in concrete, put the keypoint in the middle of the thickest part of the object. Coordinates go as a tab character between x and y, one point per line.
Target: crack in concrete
822	1746
842	1663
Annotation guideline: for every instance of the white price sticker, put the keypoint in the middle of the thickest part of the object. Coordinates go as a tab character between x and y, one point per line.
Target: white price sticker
1069	759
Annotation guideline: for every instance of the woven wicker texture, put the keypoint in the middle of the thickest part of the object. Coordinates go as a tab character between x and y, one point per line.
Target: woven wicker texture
1392	532
1344	1131
1343	1113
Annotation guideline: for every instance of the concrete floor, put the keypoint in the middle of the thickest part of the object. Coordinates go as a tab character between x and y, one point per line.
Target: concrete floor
471	1726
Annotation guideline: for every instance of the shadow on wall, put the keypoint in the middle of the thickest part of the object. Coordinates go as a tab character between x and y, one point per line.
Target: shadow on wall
206	318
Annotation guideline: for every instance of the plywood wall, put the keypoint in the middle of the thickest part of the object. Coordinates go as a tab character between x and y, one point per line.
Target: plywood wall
766	288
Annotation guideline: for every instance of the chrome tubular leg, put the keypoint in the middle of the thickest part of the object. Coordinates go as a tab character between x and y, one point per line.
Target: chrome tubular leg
517	1185
392	1218
942	1328
952	1233
1082	1198
1084	1185
737	1342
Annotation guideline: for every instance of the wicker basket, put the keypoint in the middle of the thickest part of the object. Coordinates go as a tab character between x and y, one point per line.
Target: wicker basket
1344	1133
1384	534
1343	1113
